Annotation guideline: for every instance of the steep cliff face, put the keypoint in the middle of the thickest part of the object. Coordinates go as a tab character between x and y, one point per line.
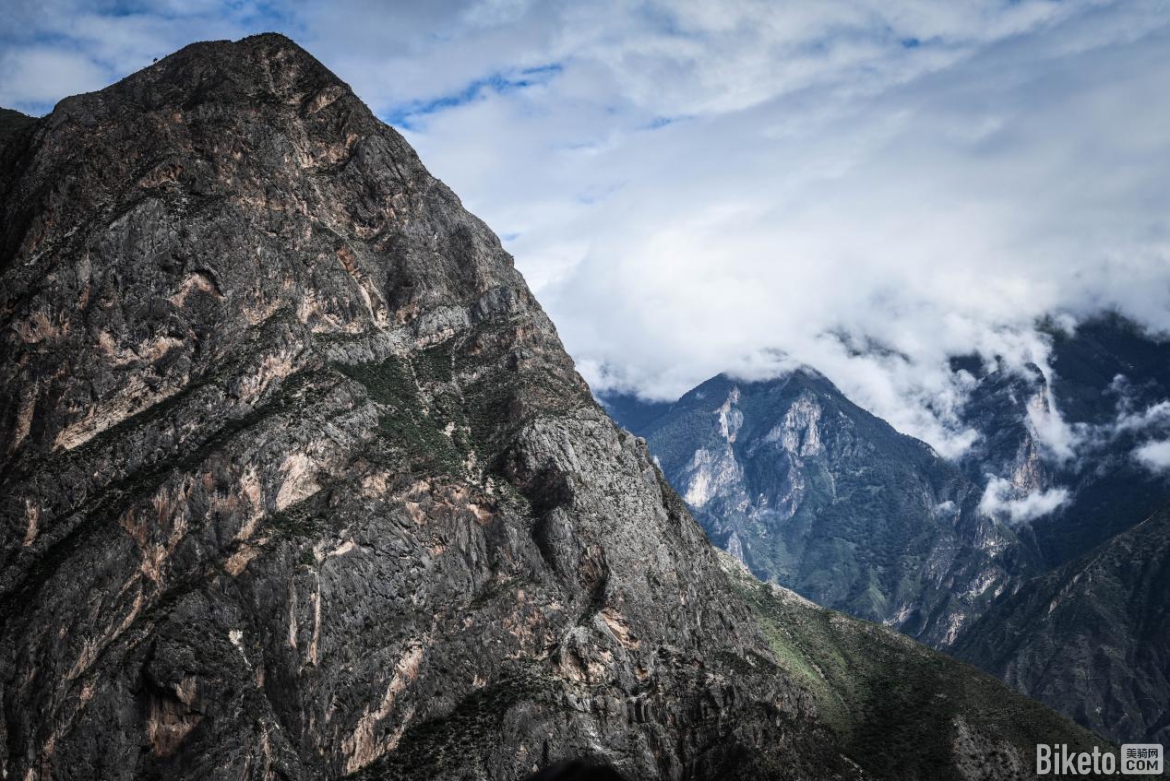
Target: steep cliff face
1091	638
294	462
1056	453
298	481
813	493
1006	407
1087	633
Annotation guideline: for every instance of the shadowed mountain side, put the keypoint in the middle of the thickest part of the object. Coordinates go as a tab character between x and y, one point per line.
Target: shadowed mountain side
1092	638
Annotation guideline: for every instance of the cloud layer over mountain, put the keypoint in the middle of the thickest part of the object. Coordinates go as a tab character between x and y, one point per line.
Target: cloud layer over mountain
866	187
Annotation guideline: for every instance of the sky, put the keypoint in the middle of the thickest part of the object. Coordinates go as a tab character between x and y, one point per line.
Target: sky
695	187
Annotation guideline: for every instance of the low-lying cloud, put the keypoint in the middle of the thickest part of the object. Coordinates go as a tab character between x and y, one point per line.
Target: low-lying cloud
1001	500
1155	456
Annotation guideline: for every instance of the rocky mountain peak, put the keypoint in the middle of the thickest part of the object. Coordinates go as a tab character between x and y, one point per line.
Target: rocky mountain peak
324	479
229	174
260	68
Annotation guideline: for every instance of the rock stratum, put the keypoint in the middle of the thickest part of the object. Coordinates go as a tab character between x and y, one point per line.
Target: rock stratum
298	482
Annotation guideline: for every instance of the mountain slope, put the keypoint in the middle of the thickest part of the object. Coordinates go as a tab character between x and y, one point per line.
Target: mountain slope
298	482
1106	395
814	493
1092	638
1088	636
1002	408
912	711
12	122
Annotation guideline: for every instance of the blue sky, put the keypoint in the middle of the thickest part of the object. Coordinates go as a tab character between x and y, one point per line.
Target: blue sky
693	187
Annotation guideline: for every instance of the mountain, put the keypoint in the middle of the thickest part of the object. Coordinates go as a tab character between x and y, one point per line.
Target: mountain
1091	638
1004	407
867	679
632	411
1086	632
1109	380
298	482
11	122
814	493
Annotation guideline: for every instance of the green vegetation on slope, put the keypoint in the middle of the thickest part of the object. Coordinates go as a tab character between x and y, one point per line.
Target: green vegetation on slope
413	433
902	710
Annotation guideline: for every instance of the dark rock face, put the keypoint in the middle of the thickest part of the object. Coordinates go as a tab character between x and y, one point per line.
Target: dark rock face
298	481
1106	376
813	493
1092	638
1000	409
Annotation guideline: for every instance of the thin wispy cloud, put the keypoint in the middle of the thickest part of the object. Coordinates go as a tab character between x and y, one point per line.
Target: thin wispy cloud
696	187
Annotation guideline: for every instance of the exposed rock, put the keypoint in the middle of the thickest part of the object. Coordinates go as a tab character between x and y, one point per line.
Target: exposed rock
1004	407
1107	377
815	494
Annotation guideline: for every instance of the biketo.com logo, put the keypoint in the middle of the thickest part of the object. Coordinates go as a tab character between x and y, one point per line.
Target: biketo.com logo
1134	759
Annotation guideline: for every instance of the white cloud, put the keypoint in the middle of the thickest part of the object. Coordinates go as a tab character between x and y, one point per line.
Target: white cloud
698	187
1061	440
1154	415
38	75
1155	456
1000	499
938	209
1084	442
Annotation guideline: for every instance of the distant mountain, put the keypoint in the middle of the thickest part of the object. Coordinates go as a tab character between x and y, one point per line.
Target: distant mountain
633	412
1002	408
1106	378
814	493
1089	360
1091	638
